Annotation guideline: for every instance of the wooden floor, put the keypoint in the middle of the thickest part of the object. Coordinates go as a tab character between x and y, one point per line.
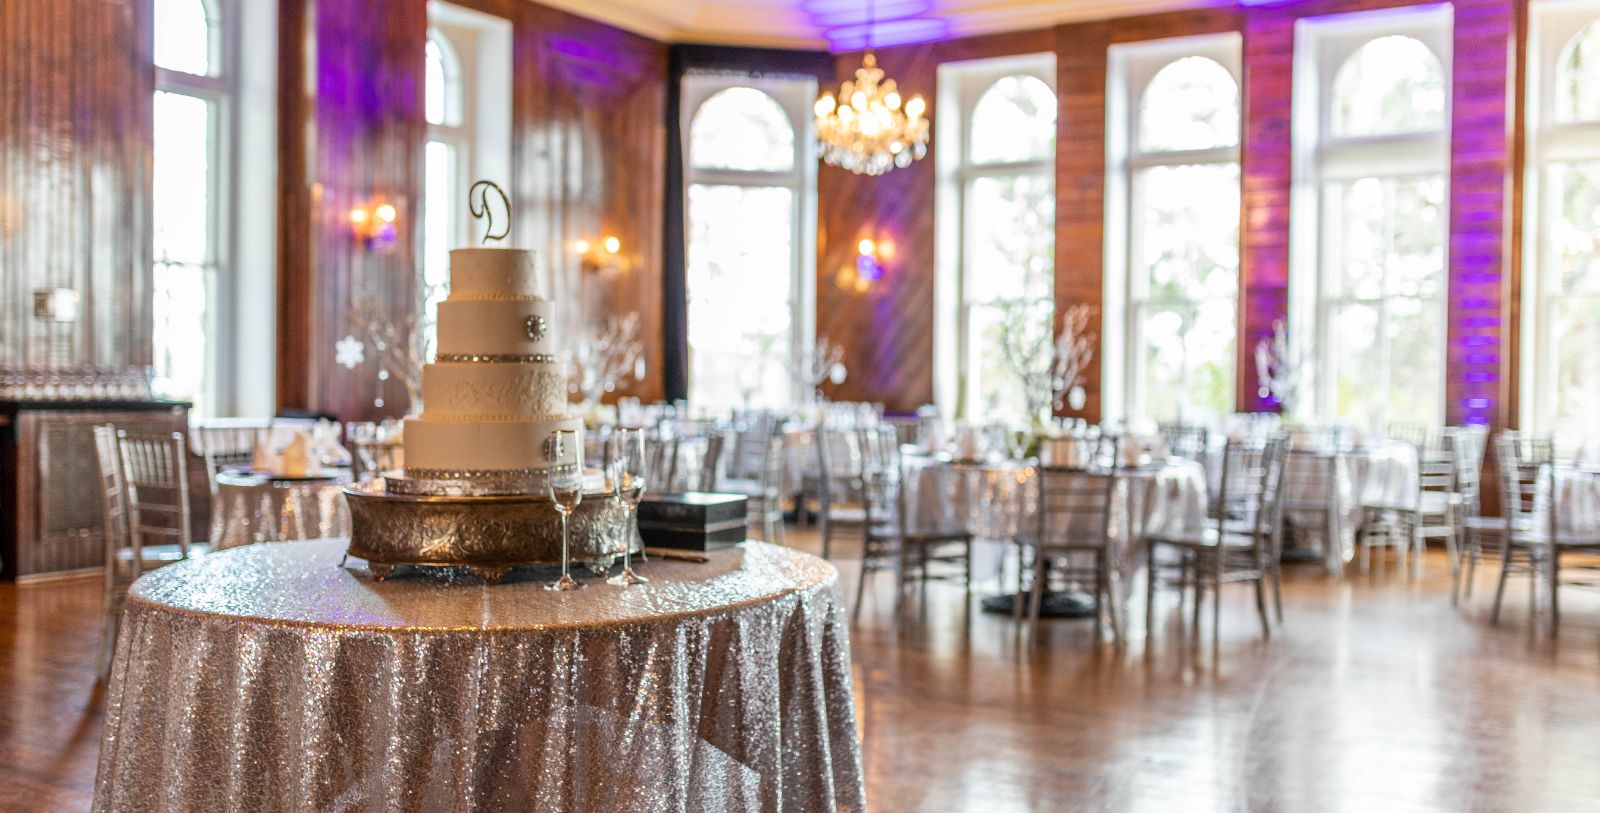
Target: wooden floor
1375	695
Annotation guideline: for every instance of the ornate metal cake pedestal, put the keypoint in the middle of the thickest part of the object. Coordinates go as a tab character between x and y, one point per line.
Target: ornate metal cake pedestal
488	535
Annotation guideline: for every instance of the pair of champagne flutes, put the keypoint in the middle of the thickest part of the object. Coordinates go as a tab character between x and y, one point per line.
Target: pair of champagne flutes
625	473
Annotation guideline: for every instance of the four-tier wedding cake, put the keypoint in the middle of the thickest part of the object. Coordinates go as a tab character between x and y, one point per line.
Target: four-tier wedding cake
497	390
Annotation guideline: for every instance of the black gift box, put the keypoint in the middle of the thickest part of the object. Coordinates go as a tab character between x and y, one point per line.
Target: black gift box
693	520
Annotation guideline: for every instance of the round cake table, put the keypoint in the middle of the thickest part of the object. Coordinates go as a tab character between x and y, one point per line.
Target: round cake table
271	678
251	507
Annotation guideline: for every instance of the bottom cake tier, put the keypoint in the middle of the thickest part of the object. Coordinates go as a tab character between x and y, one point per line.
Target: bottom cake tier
455	450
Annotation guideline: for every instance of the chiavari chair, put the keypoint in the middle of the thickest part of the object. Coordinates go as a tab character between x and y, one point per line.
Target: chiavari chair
226	446
915	556
838	486
141	480
1532	501
1240	543
1074	522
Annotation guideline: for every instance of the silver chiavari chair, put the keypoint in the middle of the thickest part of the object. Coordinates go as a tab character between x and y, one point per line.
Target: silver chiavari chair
1238	546
838	484
129	501
225	447
1474	526
1531	499
915	556
1074	523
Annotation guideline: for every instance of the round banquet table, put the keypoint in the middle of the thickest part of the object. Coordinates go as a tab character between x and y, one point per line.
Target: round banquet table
997	501
250	507
1349	482
271	678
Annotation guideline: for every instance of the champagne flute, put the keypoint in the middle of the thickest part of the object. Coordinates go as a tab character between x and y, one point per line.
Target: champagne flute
565	484
627	472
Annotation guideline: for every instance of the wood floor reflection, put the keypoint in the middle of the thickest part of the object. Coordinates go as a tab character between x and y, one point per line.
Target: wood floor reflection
1375	695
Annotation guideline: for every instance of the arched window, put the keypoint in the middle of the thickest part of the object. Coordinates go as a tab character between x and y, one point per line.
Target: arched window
1367	285
445	156
1191	104
442	81
1014	120
742	129
188	158
1175	152
186	36
1389	86
1004	282
1578	78
1561	287
749	273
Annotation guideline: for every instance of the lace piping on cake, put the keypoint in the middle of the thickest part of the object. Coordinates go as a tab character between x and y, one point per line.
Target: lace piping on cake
496	358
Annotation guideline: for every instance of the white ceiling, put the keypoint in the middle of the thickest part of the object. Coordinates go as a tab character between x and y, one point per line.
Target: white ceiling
838	23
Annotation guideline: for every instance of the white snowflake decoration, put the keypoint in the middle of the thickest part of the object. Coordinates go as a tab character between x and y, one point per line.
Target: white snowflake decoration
349	352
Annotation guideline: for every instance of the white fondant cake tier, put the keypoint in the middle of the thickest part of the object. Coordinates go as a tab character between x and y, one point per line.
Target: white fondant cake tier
458	391
481	327
493	273
440	446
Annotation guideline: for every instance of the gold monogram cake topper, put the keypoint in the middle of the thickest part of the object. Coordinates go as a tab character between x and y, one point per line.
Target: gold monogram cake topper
480	208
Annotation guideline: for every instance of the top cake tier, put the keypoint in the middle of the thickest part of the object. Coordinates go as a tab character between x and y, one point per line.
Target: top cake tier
494	273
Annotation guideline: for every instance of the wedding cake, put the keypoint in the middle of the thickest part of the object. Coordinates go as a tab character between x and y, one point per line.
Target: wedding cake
497	390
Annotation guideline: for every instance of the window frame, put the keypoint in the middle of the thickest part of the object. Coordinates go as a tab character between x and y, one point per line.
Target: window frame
218	88
794	95
1132	68
961	86
1553	27
1323	162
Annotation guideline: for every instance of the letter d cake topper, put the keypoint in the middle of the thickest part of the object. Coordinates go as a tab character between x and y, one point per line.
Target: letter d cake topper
479	206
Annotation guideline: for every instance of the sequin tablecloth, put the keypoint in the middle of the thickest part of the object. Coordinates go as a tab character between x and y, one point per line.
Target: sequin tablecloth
251	508
269	678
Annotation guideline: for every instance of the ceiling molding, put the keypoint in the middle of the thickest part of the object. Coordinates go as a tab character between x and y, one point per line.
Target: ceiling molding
783	24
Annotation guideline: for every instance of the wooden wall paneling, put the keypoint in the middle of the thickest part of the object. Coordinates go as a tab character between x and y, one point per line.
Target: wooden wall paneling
76	86
296	124
886	330
589	149
362	144
1266	166
1480	369
1081	64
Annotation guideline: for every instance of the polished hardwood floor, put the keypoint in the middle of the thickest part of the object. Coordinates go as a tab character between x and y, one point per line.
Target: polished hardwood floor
1375	695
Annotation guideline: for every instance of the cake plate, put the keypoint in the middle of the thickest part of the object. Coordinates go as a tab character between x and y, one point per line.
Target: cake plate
488	535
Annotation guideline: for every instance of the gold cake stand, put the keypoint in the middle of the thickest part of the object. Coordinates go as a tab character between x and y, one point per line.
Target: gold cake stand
488	535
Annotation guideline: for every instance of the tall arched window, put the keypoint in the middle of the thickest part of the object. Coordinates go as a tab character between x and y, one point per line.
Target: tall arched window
444	157
1561	382
1175	148
1004	284
192	86
750	184
1371	278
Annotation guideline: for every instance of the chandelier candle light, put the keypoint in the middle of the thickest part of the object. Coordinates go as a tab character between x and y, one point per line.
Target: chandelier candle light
869	129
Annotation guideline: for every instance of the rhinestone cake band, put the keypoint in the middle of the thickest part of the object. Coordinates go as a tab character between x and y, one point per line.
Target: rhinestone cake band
498	482
532	358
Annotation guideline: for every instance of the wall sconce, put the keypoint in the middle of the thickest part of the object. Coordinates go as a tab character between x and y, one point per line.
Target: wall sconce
868	268
373	225
602	258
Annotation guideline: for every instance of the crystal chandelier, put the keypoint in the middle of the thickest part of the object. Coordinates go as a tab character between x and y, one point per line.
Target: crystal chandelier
868	130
